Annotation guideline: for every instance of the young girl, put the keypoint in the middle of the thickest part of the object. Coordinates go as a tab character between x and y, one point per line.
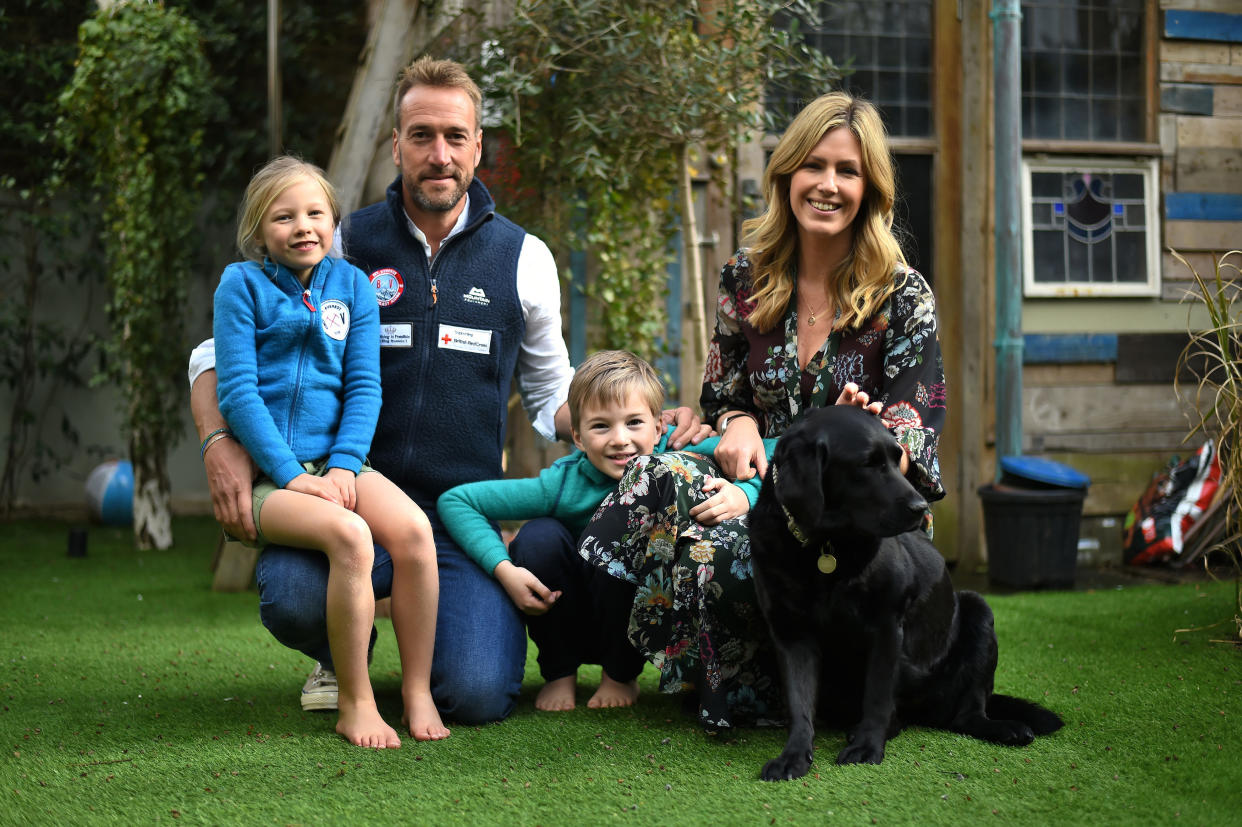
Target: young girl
297	346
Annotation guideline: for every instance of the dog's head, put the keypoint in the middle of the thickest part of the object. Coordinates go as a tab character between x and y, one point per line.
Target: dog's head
839	469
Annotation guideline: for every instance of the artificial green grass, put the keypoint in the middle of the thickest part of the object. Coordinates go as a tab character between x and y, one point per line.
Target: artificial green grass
133	694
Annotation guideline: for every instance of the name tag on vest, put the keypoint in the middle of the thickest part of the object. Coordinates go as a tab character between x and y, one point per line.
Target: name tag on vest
396	335
465	338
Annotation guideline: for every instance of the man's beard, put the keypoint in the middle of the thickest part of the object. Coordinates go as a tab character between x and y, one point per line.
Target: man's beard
440	202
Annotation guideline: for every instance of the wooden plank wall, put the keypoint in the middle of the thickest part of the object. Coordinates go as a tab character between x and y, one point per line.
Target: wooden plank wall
1108	406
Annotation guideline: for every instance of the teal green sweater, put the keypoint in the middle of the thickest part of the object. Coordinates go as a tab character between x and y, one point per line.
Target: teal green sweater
569	490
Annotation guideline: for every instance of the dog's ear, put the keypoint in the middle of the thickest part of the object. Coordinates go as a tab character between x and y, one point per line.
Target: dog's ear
799	484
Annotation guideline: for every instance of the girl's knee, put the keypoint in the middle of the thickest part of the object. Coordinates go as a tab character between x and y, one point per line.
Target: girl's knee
350	543
411	539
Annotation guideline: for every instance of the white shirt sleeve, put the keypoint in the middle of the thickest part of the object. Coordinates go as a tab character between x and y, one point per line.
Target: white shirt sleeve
202	359
543	370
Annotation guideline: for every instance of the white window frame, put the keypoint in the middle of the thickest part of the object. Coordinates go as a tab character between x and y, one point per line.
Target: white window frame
1150	168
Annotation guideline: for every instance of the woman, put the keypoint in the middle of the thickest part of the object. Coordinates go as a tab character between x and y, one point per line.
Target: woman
820	307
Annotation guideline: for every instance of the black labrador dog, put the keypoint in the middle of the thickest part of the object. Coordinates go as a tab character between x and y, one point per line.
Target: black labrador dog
866	625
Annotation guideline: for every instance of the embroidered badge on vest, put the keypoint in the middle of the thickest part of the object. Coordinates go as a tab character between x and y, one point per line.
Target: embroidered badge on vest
388	286
476	296
334	317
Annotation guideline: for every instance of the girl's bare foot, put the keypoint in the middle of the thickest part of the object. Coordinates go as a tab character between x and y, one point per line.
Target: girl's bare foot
422	718
613	693
363	727
557	695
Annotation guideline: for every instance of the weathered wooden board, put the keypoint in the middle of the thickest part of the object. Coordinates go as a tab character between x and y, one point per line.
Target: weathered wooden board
1170	441
1117	480
1120	409
1151	357
1056	375
1189	290
1206	169
1174	270
1182	51
1200	73
1187	98
1203	235
1227	98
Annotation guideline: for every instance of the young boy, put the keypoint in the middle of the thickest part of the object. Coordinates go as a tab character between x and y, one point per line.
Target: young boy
577	614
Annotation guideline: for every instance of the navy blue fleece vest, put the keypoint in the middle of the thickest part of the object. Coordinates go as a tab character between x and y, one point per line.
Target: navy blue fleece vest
446	390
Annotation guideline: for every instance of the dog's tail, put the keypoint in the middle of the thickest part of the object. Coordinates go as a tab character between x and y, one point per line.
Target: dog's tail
1006	707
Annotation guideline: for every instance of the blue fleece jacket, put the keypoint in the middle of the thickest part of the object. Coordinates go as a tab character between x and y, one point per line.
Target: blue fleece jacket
298	369
570	490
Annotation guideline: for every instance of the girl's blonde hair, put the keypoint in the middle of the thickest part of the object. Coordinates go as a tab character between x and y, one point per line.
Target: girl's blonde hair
864	279
276	176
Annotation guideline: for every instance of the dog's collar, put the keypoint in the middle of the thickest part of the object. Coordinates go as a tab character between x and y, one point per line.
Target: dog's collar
827	561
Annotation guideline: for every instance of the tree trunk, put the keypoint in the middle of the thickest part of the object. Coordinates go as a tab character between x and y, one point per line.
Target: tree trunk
401	29
152	493
693	330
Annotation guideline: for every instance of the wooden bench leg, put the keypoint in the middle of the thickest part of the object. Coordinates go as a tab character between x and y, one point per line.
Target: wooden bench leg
234	566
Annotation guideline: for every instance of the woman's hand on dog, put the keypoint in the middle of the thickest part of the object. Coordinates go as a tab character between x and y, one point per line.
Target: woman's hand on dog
525	589
728	502
851	395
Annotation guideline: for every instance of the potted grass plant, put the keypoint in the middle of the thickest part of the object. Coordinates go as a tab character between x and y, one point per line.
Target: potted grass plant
1213	396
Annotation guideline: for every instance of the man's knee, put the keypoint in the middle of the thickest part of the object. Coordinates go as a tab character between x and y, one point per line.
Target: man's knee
294	620
476	699
543	545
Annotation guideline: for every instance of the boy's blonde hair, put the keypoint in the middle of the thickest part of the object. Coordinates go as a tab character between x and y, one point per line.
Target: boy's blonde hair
276	176
864	279
610	376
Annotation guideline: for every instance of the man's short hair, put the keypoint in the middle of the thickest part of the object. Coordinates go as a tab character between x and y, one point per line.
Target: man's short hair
428	71
610	376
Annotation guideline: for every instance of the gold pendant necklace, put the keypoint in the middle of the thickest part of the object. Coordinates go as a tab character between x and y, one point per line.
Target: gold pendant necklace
810	320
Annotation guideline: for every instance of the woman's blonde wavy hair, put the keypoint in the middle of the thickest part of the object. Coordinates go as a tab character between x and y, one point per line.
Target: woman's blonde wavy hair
864	279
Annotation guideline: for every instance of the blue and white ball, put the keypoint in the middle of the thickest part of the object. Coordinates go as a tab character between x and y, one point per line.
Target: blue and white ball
110	492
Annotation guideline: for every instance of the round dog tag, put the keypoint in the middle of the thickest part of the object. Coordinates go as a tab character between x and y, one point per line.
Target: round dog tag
827	563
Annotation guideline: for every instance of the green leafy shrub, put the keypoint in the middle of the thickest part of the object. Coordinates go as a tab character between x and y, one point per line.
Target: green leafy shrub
132	129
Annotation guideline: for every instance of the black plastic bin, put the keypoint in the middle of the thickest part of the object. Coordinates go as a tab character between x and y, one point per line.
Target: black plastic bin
1031	519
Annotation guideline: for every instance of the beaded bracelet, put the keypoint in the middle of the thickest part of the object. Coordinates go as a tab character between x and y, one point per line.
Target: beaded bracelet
212	438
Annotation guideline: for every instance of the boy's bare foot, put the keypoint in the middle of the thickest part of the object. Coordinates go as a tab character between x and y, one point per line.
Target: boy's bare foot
422	718
557	695
364	727
613	693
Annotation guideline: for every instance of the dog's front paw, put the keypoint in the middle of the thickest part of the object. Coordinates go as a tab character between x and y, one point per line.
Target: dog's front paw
786	766
862	751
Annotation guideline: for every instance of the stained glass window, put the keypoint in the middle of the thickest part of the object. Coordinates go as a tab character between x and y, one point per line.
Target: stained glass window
1090	227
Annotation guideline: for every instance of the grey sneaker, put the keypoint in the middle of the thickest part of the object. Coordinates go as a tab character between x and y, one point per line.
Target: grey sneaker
320	690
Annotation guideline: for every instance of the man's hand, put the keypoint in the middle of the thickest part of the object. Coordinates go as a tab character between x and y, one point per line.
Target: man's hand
230	471
230	474
728	502
687	428
524	588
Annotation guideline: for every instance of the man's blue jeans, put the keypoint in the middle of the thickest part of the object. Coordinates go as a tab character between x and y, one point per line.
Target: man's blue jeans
480	652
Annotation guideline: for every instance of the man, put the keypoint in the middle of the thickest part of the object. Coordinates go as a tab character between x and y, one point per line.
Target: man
468	300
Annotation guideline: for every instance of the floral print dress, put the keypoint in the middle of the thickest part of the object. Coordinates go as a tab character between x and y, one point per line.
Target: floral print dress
695	615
